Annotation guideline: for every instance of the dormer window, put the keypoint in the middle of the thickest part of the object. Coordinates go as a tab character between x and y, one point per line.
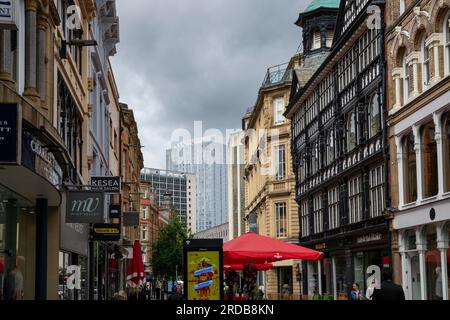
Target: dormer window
316	40
330	36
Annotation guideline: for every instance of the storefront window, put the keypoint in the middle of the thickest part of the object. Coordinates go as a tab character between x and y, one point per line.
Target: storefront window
17	242
433	265
342	287
359	270
285	280
328	275
313	280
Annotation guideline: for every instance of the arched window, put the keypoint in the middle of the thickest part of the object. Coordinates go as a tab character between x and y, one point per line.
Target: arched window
447	44
430	165
374	116
330	147
425	63
351	132
410	169
406	79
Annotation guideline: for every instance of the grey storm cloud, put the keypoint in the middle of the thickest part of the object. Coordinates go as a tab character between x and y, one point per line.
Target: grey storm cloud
180	61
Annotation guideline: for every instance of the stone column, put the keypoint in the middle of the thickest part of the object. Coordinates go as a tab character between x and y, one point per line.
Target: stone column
30	49
397	76
42	27
437	116
413	59
400	175
442	245
422	248
404	263
418	149
5	56
433	42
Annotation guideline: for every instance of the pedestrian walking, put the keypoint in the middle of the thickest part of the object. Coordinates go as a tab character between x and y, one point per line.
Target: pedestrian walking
356	294
389	290
177	294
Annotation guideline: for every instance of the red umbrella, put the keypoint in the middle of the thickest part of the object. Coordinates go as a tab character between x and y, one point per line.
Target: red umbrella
260	267
258	249
135	274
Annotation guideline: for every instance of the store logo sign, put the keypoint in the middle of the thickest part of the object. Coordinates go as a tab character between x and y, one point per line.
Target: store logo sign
85	207
74	280
109	185
369	238
7	13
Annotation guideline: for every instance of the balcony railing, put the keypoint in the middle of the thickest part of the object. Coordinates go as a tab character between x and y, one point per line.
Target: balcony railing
277	74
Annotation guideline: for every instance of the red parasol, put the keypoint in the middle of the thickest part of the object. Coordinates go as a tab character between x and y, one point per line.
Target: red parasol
259	267
258	249
135	274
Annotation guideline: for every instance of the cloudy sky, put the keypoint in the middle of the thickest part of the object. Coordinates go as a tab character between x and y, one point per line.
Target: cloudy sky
181	61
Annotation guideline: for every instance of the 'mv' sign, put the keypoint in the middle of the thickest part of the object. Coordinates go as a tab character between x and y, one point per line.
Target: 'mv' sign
85	207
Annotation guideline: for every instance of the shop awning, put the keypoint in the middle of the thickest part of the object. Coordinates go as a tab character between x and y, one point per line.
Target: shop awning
258	249
239	267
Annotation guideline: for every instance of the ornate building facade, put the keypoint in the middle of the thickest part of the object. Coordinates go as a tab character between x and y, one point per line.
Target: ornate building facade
418	59
339	152
269	179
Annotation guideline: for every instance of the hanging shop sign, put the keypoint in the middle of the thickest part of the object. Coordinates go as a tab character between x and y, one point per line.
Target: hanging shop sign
38	157
105	232
114	211
109	185
85	206
9	133
203	269
8	14
131	219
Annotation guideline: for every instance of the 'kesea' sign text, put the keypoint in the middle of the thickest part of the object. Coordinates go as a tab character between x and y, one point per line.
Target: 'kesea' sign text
109	185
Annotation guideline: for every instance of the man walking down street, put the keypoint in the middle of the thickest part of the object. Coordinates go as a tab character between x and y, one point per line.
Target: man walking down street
389	290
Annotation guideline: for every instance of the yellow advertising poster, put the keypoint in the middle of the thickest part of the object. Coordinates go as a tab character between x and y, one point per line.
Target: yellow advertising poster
203	275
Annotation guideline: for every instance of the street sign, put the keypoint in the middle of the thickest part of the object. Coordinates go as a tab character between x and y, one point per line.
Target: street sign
106	232
114	211
85	206
131	219
109	185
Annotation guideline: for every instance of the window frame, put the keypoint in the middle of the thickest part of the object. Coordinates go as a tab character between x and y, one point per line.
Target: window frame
355	204
305	216
278	110
334	221
425	54
280	162
318	213
281	220
374	103
376	191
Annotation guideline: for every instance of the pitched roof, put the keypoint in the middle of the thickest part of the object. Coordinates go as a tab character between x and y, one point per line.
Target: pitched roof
316	4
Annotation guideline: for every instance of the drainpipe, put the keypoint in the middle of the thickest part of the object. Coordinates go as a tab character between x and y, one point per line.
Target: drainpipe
384	114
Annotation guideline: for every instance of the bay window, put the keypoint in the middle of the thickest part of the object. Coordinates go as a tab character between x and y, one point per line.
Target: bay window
351	131
333	208
374	116
376	193
318	213
355	199
304	213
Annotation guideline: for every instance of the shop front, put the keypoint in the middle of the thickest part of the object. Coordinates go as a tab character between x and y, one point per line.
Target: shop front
423	234
30	178
347	259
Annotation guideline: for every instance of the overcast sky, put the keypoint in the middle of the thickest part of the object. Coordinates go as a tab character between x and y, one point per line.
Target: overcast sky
181	61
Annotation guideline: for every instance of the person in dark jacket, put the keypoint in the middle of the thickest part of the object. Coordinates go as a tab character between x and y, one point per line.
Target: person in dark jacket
389	290
177	295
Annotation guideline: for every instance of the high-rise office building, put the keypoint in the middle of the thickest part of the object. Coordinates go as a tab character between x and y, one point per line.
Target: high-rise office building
205	159
179	187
